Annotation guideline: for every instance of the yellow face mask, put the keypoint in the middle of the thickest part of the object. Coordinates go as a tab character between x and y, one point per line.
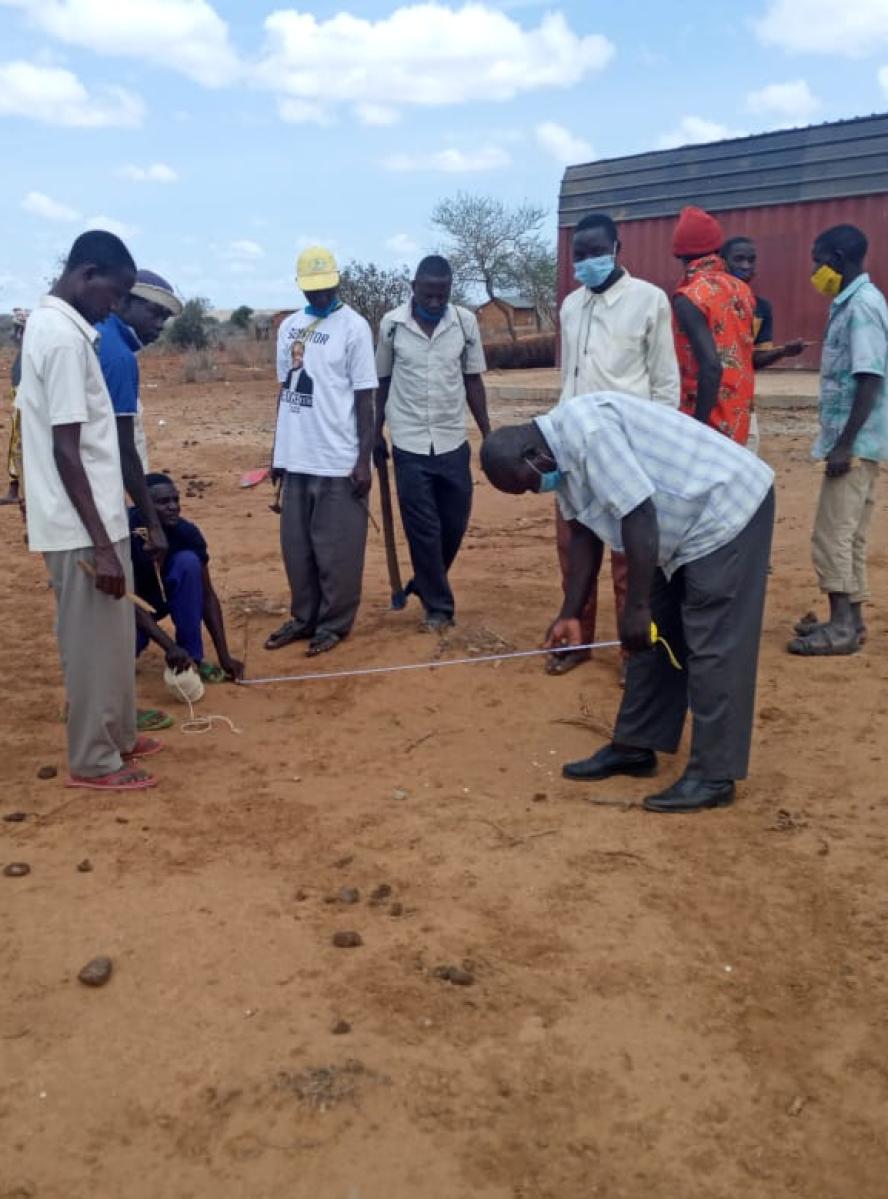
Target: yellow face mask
827	281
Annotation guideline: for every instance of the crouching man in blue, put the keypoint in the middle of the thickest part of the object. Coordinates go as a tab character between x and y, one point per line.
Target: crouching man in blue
180	588
693	512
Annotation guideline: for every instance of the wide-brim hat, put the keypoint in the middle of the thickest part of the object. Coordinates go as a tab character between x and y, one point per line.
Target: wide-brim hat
156	290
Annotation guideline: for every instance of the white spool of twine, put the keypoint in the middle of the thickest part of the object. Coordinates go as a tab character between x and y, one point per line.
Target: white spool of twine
186	685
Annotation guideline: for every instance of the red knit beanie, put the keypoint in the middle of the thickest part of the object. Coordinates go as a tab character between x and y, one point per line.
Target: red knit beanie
697	233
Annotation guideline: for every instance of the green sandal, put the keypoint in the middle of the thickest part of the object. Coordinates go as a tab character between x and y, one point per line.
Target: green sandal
151	720
211	673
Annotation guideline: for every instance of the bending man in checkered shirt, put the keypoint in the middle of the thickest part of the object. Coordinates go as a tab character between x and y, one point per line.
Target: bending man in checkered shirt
693	512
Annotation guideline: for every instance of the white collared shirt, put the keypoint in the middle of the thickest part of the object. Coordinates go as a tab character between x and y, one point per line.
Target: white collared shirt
620	340
426	405
62	384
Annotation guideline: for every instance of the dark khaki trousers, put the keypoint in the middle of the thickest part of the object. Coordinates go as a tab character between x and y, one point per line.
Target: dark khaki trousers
710	612
323	539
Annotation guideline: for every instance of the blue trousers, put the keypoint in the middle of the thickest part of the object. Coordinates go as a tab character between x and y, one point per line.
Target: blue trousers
183	584
435	496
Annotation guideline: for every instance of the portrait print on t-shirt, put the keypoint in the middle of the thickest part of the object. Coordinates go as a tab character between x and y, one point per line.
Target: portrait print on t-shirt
298	394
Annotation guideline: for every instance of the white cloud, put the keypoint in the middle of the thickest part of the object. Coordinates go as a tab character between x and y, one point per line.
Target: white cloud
302	112
42	205
451	161
883	80
157	172
57	97
184	35
119	228
855	28
376	114
422	54
245	250
402	245
790	101
564	146
691	131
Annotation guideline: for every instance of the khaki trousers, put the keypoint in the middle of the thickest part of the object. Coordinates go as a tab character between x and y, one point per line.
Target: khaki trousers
97	636
841	526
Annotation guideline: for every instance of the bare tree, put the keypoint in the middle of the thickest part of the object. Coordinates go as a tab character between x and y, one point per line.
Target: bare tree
487	241
374	290
536	271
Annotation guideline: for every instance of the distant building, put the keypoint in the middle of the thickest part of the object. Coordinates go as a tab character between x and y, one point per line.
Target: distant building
781	189
494	324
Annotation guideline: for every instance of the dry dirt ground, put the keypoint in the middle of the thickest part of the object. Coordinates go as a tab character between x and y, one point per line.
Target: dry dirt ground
662	1007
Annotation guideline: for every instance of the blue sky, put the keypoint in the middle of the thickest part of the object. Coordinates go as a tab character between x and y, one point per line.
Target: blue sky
221	137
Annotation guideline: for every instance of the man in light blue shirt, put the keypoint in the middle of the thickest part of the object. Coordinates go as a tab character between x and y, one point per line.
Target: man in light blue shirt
693	512
853	439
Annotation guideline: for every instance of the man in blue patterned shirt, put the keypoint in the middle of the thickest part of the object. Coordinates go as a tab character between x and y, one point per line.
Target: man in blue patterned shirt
853	439
693	512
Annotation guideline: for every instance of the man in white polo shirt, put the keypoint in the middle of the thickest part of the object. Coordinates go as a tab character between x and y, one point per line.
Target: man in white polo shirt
76	511
616	335
322	447
430	361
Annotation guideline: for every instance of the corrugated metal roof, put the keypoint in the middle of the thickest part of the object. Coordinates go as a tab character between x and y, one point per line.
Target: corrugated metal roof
820	162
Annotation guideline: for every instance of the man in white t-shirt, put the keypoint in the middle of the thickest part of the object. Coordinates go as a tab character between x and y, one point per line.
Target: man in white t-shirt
76	511
323	440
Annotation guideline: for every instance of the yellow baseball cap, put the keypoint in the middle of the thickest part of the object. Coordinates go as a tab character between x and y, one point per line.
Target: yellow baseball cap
316	269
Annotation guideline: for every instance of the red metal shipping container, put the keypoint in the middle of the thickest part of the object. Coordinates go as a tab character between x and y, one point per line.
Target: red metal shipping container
781	189
783	234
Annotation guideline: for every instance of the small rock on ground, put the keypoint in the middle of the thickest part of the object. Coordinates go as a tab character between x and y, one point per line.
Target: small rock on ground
16	869
96	972
47	772
455	975
345	939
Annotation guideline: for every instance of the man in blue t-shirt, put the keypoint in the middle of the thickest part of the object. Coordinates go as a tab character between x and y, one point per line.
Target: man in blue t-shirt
136	322
181	588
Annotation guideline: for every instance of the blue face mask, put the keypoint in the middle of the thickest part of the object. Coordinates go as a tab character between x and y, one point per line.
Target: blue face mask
431	318
551	480
313	310
592	272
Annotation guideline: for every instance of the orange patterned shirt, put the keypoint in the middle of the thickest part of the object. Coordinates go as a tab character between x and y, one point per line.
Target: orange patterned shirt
728	305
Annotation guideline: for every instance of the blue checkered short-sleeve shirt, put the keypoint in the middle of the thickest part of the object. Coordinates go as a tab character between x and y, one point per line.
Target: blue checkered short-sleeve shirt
856	343
616	451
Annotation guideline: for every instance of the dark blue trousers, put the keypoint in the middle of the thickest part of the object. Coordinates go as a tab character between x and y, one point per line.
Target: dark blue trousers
435	496
183	584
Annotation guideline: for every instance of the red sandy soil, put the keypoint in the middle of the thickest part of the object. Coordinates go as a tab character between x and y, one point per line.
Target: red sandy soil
662	1007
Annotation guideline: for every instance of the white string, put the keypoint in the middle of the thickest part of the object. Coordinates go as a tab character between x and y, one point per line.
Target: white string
200	724
437	665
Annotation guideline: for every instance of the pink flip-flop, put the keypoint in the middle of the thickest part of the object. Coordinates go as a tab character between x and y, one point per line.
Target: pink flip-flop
253	478
144	747
117	780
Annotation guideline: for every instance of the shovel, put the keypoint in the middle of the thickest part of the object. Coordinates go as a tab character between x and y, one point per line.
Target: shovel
399	595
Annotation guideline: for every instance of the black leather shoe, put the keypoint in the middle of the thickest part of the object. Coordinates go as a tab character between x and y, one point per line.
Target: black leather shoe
692	795
639	763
